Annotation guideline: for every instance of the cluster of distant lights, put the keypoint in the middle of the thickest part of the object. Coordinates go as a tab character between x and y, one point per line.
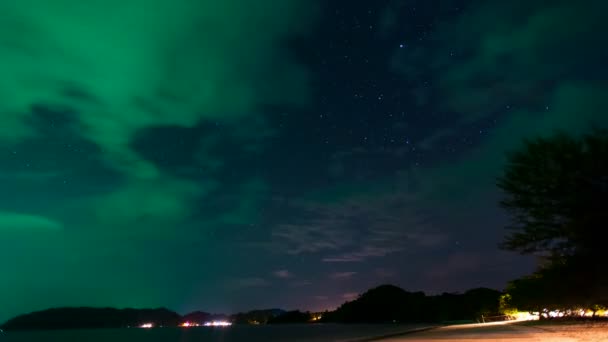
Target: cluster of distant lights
190	324
207	324
218	324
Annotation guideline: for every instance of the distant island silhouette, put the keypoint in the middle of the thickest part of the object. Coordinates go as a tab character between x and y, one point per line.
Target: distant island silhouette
383	304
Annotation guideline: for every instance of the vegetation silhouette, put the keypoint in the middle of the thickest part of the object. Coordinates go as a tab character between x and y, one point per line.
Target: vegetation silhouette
391	304
556	191
291	317
383	304
256	316
91	318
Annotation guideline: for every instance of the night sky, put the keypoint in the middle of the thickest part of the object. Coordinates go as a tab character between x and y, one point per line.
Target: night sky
232	155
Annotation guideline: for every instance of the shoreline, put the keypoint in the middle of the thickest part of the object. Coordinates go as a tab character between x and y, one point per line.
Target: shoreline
508	331
396	334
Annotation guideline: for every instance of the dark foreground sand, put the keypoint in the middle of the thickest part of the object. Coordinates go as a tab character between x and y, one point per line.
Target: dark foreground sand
517	332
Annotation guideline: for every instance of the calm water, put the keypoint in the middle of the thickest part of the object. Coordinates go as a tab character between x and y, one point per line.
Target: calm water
317	333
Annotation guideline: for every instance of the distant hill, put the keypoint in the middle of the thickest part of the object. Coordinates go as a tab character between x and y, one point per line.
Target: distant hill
388	303
96	318
197	317
383	304
91	318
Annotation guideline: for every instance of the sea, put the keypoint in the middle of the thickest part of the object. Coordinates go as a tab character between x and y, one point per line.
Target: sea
236	333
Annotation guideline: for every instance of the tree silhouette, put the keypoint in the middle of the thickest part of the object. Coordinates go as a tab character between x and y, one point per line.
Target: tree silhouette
291	317
391	304
556	190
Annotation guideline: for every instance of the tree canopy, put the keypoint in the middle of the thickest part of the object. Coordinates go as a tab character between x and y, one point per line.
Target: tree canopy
556	190
389	303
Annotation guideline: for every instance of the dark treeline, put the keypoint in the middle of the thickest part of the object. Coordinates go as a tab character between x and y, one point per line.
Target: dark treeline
391	304
91	318
101	318
291	317
256	316
383	304
556	192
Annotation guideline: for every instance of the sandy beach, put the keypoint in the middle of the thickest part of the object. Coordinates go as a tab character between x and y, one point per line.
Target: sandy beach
583	332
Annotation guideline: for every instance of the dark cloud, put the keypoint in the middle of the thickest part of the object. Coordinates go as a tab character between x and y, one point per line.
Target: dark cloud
283	274
342	275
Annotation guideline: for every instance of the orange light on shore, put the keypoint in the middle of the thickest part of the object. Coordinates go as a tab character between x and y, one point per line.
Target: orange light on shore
316	317
525	316
189	324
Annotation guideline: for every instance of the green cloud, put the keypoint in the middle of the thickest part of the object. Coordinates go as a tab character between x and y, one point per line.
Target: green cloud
148	207
121	67
574	108
19	222
124	66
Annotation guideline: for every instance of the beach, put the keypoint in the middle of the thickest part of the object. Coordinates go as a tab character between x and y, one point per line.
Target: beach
511	331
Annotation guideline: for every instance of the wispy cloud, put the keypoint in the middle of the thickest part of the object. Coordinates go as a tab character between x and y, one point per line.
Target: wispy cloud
10	221
342	275
315	236
356	229
363	253
29	175
283	274
300	283
350	295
